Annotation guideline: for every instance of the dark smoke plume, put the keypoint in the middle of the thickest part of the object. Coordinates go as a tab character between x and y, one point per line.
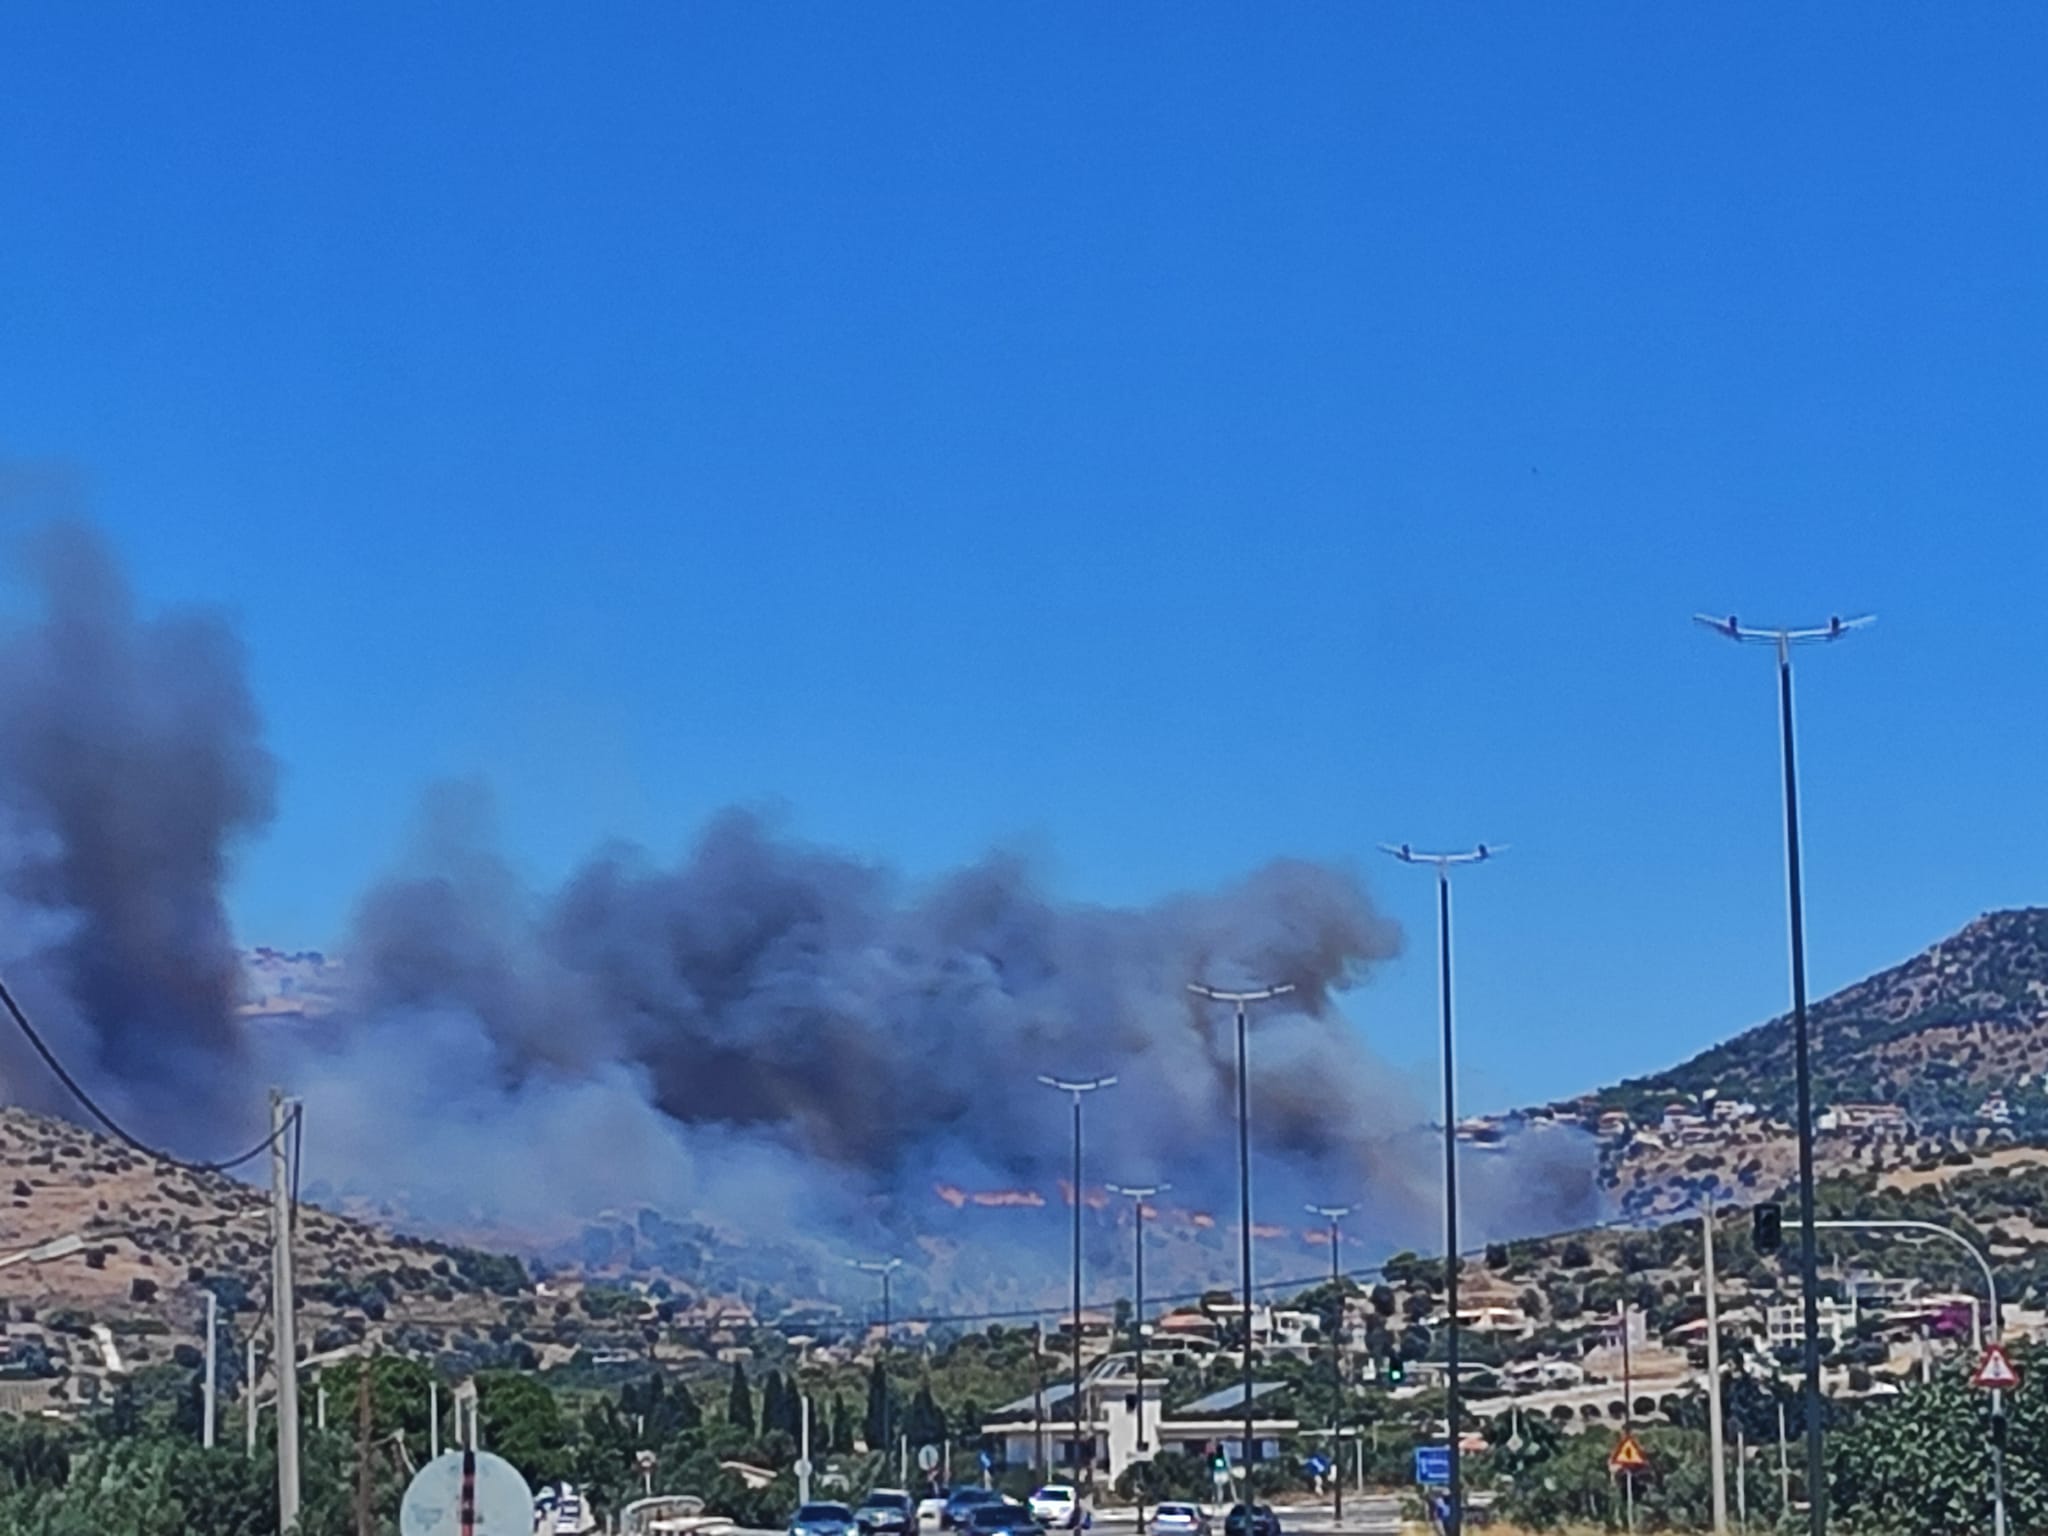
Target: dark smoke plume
130	765
793	1044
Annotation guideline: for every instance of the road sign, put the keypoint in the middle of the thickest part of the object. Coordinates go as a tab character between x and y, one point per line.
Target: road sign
1316	1466
927	1457
1995	1372
1433	1466
803	1466
987	1461
1627	1455
467	1493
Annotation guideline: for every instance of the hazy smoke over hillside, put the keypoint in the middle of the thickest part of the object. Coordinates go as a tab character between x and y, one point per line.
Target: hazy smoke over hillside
786	1040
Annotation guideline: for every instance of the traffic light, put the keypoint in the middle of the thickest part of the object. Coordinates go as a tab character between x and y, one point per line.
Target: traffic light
1767	1227
1218	1462
1397	1368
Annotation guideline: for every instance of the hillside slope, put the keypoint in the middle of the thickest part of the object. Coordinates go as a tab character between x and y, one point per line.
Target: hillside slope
1935	1035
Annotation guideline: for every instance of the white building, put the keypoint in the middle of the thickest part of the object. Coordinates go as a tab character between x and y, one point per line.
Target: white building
1785	1326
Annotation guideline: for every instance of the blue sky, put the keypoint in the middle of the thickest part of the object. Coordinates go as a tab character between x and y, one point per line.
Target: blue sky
1155	437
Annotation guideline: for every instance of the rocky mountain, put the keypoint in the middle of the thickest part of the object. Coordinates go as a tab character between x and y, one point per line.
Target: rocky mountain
1936	1035
1947	1049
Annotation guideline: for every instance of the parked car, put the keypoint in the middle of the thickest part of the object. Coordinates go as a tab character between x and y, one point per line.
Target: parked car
1180	1520
887	1512
1059	1508
822	1520
960	1501
1251	1520
931	1510
1002	1518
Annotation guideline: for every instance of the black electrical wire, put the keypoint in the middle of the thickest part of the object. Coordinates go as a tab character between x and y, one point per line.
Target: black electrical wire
113	1127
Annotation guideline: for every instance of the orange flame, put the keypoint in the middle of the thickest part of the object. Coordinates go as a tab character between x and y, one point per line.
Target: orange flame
1203	1220
1268	1232
952	1194
988	1199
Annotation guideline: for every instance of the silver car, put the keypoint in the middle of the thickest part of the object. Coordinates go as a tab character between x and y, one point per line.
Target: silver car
1180	1520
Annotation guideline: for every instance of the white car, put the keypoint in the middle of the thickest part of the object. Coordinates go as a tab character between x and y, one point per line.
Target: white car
1058	1508
1180	1520
931	1512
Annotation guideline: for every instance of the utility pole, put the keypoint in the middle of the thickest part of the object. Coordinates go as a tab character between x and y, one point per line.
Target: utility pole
1715	1431
364	1522
1038	1396
803	1463
885	1268
1077	1088
1335	1214
1782	640
282	1319
1138	1195
1443	863
249	1397
1784	1467
433	1417
1628	1408
210	1395
1244	1188
1741	1478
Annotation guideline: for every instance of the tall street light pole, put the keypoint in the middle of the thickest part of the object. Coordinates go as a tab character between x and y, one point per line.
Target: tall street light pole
1443	863
1238	1000
1334	1214
1078	1087
885	1268
1782	640
1138	1194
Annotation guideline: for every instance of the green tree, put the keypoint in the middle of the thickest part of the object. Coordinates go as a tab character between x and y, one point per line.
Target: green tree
739	1401
842	1425
881	1420
522	1422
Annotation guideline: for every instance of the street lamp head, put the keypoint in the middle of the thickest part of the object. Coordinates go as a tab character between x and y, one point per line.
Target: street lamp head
1078	1086
874	1266
1138	1191
1783	635
1219	995
1330	1212
1479	853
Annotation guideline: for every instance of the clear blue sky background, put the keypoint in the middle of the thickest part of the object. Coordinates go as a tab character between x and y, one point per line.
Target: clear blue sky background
1158	436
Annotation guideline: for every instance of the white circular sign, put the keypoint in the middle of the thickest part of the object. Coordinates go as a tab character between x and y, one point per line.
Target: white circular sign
802	1467
927	1457
499	1502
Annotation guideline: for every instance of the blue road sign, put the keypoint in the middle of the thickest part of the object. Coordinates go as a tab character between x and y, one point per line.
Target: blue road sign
987	1461
1317	1465
1433	1466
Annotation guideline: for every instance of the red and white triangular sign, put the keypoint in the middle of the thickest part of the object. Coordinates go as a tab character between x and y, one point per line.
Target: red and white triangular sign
1995	1372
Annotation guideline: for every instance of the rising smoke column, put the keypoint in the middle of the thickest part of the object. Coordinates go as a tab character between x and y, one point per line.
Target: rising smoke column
777	1036
131	763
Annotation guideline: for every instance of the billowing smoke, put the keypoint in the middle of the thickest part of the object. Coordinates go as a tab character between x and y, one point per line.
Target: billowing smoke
131	761
794	1045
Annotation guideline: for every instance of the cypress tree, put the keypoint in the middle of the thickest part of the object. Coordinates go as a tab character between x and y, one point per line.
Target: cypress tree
739	1402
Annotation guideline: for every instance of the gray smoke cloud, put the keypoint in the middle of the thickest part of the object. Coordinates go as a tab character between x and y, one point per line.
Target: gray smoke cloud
131	764
797	1046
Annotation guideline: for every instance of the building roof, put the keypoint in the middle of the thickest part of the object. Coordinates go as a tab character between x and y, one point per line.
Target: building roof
1051	1395
1231	1397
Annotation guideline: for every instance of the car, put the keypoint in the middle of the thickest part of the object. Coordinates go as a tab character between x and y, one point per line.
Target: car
1059	1508
1004	1517
1180	1520
954	1513
887	1512
1251	1520
821	1519
931	1510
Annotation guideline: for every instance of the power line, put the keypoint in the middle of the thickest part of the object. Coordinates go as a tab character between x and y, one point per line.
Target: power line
113	1127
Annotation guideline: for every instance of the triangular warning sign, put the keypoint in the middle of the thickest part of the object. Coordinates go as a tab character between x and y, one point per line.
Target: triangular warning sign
1995	1372
1627	1455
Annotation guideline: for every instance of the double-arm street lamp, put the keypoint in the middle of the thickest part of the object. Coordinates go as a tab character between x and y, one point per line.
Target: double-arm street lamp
1138	1194
1443	864
1238	1001
1335	1214
885	1268
1078	1087
1782	640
